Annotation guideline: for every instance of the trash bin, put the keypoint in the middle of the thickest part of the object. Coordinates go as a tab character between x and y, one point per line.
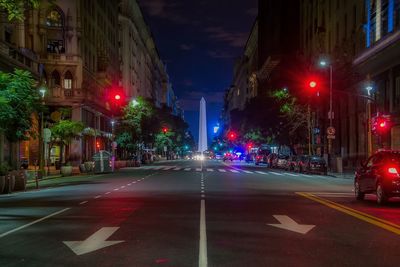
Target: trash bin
102	162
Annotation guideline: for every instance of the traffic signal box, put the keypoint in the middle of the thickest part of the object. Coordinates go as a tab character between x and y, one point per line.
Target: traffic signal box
381	124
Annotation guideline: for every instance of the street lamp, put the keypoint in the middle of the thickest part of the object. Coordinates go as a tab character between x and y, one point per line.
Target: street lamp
325	63
135	103
113	145
42	92
369	88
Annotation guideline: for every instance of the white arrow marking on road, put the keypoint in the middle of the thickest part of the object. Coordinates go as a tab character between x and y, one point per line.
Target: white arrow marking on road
289	224
94	242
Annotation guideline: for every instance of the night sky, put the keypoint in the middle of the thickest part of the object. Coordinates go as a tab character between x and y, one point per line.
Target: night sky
199	41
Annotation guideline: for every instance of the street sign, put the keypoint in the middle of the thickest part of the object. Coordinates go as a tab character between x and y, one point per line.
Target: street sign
46	135
331	131
165	149
114	145
331	115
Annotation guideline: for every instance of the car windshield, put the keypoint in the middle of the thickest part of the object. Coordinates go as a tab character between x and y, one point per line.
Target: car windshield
317	160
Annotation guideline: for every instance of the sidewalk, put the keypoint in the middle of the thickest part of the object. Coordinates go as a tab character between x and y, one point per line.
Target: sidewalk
58	180
344	175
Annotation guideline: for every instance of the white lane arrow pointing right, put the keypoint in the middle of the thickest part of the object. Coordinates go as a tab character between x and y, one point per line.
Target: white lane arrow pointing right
94	242
289	224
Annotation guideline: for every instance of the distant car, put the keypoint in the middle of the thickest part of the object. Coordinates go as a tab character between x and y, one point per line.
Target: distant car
301	163
250	157
228	156
291	163
272	160
219	156
380	174
261	156
316	164
282	161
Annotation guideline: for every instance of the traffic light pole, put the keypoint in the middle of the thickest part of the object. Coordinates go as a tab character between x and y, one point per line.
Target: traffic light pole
330	108
369	134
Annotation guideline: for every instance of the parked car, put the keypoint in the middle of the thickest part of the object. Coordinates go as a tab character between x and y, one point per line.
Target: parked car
281	161
261	156
272	160
291	163
380	174
316	164
301	162
250	157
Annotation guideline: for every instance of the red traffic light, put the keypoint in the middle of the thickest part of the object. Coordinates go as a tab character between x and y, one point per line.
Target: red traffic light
98	144
117	97
165	130
231	135
381	124
313	84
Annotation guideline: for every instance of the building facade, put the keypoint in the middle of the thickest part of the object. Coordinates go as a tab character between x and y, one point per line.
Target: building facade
82	50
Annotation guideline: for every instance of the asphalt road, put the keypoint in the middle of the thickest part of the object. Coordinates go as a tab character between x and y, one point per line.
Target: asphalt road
192	213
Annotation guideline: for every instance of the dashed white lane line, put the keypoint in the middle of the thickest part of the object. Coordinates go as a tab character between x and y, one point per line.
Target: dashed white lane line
259	172
122	187
32	223
203	261
203	196
202	191
188	169
291	174
247	171
107	193
234	171
96	197
167	169
83	202
116	189
221	170
306	175
134	182
177	169
277	173
210	170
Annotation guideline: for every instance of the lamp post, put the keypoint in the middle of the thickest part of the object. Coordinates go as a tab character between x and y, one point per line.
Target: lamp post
42	91
112	145
369	88
324	63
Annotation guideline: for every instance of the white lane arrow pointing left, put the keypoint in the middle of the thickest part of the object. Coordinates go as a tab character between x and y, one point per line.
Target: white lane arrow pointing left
289	224
94	242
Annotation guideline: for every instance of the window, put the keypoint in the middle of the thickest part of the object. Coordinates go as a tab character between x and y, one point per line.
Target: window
55	79
68	80
54	18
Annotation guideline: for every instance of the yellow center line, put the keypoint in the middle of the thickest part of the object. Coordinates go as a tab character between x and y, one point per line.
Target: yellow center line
392	227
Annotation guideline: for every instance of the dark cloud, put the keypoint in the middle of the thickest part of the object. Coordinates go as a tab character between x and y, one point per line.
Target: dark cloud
221	54
164	9
186	47
234	39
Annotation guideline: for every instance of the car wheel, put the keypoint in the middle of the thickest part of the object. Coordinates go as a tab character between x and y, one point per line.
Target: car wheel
359	195
381	198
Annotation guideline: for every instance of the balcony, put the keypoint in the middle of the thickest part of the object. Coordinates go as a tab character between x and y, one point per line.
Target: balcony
19	58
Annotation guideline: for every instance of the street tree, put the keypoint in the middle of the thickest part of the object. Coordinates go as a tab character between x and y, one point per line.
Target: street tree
63	132
19	102
15	9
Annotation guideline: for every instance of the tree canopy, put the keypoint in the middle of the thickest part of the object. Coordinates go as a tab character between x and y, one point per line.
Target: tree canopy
16	8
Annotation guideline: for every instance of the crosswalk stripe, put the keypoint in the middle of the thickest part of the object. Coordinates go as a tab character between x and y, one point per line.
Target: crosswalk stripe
234	171
168	168
198	169
187	169
177	169
291	174
247	171
210	170
221	170
261	172
276	173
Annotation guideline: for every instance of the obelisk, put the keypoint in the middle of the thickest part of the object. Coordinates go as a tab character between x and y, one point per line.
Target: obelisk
202	126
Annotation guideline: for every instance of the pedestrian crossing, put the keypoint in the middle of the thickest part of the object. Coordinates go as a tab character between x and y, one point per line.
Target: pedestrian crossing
222	170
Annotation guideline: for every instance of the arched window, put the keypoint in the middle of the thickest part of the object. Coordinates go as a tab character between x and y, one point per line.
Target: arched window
55	79
55	18
68	80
